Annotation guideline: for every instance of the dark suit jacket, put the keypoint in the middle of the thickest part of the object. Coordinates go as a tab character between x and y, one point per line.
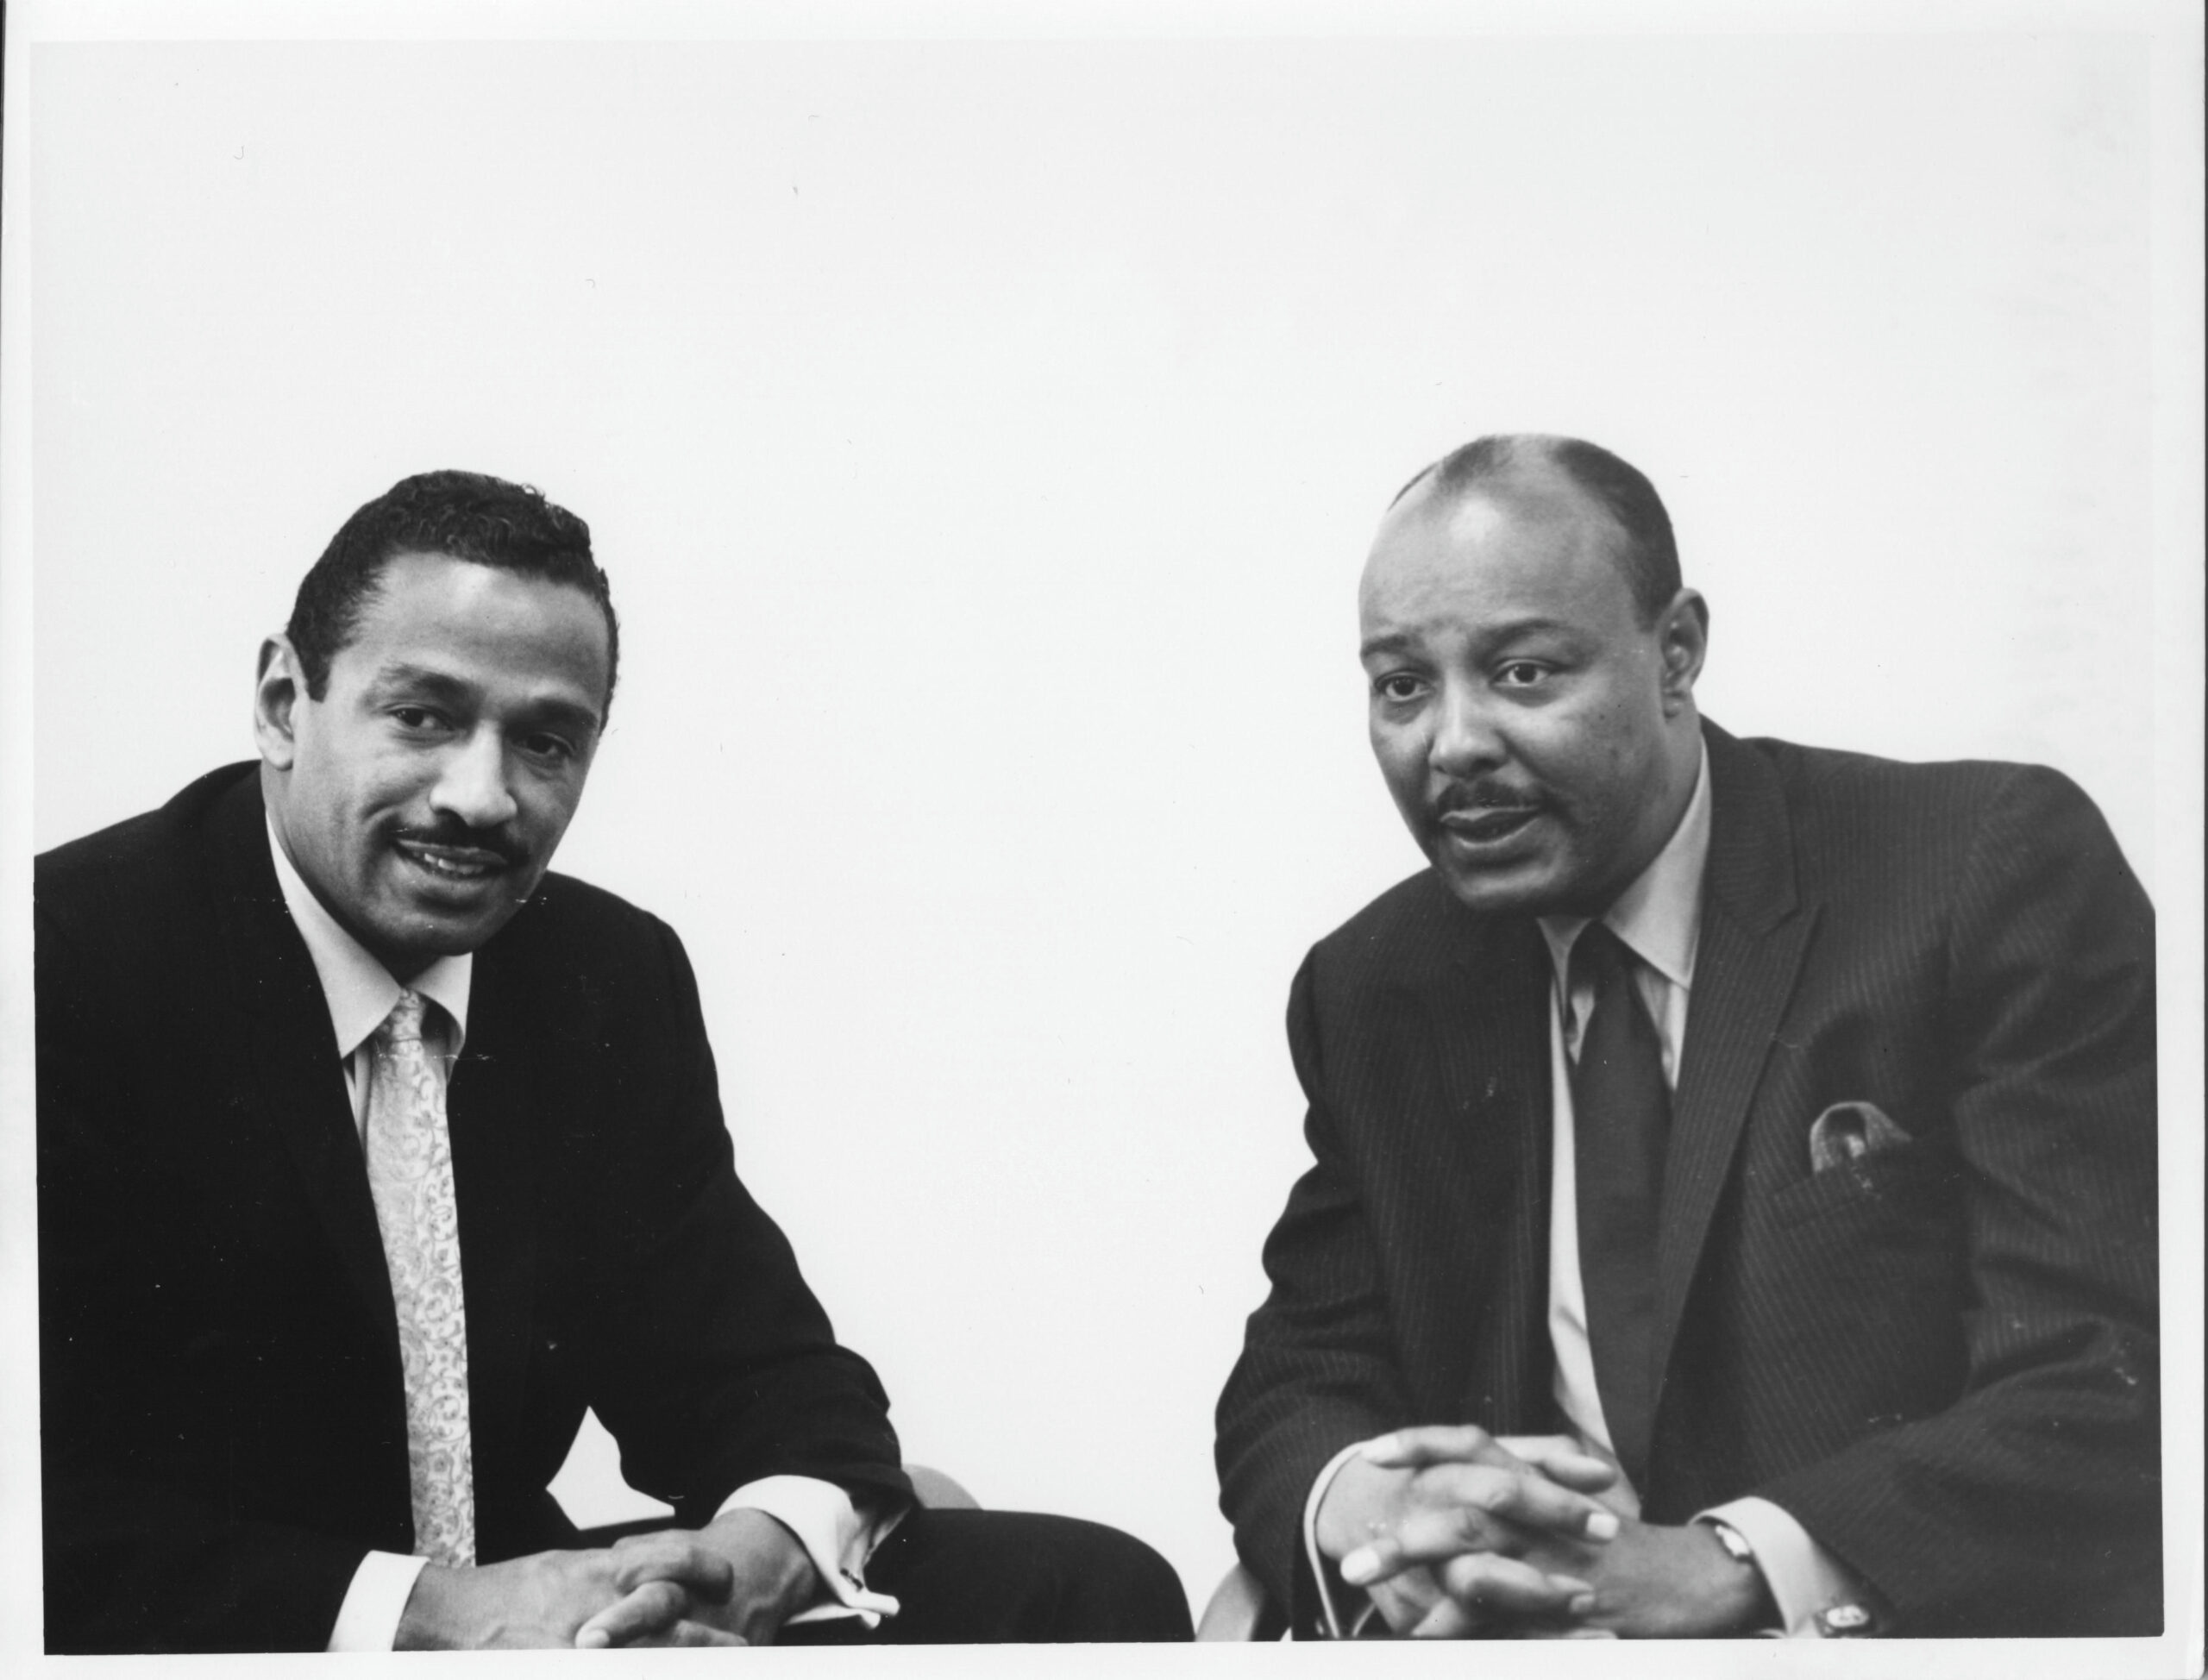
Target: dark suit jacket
1942	1362
223	1421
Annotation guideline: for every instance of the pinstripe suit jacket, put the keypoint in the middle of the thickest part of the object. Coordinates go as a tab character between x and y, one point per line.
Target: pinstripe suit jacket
1943	1360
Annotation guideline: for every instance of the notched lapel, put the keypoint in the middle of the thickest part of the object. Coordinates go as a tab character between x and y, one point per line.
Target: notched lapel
494	1109
1494	1076
1754	933
291	1046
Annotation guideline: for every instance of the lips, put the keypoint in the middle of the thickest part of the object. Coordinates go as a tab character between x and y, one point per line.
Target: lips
459	865
1487	825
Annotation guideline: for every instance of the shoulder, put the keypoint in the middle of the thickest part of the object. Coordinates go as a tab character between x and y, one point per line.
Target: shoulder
565	907
1827	781
1889	833
1412	934
1859	817
134	872
570	928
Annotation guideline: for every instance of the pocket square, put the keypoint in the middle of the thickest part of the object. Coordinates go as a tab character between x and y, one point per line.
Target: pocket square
1849	1130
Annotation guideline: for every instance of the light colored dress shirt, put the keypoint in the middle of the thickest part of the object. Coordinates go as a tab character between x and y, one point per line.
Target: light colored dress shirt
360	993
1659	919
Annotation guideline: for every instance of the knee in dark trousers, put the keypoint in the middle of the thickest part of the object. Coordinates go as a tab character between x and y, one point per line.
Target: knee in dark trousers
984	1577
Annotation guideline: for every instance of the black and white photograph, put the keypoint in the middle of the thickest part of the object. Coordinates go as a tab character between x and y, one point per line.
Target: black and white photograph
943	825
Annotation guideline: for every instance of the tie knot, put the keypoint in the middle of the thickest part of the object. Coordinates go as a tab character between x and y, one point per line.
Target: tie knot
1600	957
404	1021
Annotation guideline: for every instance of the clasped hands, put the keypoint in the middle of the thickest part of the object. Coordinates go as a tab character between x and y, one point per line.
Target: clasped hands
1458	1534
734	1582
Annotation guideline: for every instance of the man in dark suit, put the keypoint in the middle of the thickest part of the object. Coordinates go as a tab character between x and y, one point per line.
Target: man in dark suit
371	1154
1734	1199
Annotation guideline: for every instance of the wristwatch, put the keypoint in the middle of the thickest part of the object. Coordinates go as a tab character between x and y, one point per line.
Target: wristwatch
1846	1621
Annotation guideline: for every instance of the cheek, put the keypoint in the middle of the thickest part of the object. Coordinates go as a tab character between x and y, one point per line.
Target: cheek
547	807
1401	755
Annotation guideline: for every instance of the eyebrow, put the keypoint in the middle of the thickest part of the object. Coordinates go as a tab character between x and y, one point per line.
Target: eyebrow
442	686
1394	642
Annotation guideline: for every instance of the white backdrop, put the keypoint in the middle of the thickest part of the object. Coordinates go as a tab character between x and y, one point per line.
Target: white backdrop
983	435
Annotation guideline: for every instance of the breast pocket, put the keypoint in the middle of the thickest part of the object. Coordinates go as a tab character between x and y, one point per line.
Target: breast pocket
1908	1181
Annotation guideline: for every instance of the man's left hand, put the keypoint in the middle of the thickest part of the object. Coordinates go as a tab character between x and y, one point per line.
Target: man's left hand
1651	1581
1655	1582
768	1579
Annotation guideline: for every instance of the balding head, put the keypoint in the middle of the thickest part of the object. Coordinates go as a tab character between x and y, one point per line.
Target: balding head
1531	711
1527	468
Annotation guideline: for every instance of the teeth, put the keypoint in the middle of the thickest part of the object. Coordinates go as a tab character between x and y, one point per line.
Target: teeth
447	866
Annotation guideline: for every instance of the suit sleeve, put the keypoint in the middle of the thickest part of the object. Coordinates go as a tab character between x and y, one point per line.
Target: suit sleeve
134	1561
717	1366
2032	1503
1318	1369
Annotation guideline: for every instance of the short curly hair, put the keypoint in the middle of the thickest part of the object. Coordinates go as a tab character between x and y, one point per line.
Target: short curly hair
469	515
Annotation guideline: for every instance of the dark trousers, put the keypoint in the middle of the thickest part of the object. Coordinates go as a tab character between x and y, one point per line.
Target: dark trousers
996	1577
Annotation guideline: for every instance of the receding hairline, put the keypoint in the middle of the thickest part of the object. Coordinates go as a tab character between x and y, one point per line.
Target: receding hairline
1512	464
1533	472
1527	486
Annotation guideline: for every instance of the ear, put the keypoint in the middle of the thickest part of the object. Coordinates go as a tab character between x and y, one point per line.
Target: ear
278	687
1683	641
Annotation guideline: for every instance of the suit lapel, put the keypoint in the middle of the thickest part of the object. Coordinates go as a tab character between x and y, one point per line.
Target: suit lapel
291	1045
494	1108
1754	935
1489	1155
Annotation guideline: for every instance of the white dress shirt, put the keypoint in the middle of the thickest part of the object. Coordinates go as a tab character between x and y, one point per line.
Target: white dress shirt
360	993
1659	919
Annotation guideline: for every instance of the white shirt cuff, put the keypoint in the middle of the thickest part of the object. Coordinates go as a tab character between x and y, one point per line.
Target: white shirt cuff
1332	1612
1803	1578
835	1537
368	1619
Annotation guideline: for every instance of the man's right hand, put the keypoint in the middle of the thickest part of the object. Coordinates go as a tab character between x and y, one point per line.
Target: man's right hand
1454	1491
541	1601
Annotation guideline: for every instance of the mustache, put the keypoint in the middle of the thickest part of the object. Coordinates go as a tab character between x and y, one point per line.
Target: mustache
1481	796
459	837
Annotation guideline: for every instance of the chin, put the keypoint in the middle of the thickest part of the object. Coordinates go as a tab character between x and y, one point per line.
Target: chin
1500	894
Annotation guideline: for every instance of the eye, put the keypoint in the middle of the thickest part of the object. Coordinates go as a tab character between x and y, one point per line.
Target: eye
1520	673
552	748
1399	687
415	719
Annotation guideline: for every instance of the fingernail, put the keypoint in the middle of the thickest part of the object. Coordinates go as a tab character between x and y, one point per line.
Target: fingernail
1602	1525
593	1639
1581	1604
1383	1447
1360	1566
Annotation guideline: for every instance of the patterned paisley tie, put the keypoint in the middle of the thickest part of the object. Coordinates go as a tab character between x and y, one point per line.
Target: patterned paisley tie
409	1175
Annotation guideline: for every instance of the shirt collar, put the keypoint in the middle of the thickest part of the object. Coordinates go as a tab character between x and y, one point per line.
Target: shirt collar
1660	915
358	990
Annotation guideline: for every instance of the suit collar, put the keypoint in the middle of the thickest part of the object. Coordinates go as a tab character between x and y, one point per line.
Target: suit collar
1659	916
496	1103
358	990
1751	867
289	1039
1755	933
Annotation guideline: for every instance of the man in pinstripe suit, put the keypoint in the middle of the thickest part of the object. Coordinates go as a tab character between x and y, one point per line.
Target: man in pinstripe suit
1734	1199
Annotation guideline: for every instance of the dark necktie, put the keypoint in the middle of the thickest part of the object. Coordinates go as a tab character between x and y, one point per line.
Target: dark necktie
1621	1115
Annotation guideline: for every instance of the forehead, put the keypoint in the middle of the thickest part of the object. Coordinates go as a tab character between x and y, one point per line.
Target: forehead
484	625
1466	560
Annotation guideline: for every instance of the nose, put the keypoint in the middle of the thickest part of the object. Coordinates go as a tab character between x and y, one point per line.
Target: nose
1465	742
473	784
